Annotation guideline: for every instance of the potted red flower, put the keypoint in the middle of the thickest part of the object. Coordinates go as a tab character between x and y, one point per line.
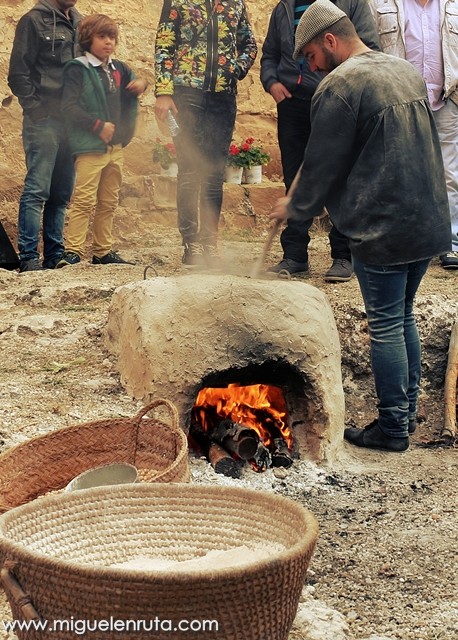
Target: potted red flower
165	154
250	157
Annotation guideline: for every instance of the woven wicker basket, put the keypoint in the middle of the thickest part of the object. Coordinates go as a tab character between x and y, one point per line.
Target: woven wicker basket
55	568
48	463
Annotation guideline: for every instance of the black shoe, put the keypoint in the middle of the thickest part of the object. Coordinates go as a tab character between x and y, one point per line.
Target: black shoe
110	258
449	260
340	271
68	258
30	265
289	265
372	437
52	264
193	256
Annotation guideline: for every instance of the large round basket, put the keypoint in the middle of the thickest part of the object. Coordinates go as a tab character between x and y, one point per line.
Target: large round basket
56	554
49	462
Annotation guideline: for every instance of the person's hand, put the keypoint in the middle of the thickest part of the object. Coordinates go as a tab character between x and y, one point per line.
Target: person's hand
279	210
137	86
279	92
164	104
107	132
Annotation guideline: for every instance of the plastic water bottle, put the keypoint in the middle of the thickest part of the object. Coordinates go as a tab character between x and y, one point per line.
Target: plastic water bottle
173	125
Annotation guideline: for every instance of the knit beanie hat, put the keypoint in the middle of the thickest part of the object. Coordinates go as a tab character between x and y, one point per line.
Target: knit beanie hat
320	15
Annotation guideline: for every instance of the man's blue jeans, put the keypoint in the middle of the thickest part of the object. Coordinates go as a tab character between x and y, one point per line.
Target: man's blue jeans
48	187
388	293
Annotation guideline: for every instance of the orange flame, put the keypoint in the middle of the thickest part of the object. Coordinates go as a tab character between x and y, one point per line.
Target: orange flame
257	406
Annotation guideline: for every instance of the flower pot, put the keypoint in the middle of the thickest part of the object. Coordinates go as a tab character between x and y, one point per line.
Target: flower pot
252	175
171	171
233	174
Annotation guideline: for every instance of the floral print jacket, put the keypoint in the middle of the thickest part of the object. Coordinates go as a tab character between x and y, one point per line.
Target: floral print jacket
203	44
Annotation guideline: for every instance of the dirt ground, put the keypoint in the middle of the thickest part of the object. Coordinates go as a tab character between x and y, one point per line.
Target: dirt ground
385	565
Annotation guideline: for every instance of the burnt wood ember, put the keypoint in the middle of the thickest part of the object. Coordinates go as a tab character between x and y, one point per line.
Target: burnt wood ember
236	438
220	459
281	456
262	458
222	462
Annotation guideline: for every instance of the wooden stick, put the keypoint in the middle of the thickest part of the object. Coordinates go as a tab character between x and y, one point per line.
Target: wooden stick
451	375
258	265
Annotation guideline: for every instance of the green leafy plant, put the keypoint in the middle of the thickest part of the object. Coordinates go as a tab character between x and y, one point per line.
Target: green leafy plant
164	153
247	155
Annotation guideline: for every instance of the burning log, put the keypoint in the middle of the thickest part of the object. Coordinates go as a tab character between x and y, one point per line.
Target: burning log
281	456
221	461
236	438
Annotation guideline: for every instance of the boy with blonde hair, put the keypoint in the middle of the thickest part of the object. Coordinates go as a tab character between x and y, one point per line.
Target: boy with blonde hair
100	106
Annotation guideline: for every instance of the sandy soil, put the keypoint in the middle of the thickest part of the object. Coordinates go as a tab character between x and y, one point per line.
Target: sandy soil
385	563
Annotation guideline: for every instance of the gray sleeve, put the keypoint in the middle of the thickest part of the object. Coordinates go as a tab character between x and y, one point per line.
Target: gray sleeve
363	20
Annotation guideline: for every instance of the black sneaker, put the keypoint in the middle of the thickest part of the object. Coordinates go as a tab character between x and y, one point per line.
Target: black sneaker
372	437
52	264
30	265
68	258
289	265
110	258
341	271
193	256
449	260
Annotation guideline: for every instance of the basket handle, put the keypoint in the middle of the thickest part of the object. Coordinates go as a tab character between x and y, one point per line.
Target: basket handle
18	595
156	403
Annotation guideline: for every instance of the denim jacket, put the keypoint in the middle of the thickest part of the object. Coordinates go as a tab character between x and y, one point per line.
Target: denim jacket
390	19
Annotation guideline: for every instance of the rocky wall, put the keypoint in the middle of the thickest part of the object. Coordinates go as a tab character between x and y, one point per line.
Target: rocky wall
137	20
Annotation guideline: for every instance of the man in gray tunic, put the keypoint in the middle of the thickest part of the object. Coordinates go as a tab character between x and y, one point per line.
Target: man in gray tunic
374	160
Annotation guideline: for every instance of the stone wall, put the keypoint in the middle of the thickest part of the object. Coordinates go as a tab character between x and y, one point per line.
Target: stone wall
137	20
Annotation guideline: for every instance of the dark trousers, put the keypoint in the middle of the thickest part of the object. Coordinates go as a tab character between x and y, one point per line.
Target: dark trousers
293	134
206	122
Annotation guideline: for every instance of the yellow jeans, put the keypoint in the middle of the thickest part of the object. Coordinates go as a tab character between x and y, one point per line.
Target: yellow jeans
97	185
